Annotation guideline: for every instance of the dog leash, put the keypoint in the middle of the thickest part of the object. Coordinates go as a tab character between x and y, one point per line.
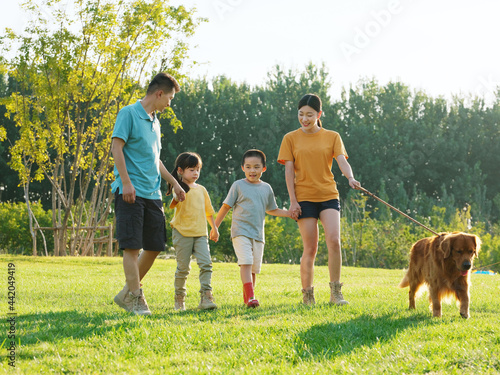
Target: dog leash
398	211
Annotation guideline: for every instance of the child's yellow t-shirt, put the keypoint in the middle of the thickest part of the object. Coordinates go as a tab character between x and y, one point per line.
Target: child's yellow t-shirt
190	216
313	155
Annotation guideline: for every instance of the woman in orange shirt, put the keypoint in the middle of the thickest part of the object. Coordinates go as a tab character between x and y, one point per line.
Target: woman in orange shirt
308	154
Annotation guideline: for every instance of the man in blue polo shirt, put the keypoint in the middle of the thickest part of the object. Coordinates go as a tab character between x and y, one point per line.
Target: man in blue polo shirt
140	220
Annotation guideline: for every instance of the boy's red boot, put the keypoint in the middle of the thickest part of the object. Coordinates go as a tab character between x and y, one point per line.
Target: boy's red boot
248	296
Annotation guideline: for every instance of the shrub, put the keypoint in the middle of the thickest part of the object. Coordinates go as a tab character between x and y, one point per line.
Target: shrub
15	237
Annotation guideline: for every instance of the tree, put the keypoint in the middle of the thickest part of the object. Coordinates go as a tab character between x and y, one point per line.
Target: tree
72	75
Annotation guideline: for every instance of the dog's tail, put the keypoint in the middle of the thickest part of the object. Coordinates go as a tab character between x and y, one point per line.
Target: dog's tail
405	282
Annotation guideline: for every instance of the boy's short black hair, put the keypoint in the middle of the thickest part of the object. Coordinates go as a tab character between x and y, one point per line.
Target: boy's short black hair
254	152
165	82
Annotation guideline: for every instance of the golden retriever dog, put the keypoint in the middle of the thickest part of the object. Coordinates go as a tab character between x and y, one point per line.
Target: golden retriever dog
443	263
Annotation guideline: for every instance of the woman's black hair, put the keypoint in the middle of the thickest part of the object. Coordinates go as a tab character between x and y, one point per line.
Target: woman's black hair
312	101
183	161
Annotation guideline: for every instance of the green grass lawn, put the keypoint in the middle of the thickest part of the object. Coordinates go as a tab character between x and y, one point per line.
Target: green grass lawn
67	323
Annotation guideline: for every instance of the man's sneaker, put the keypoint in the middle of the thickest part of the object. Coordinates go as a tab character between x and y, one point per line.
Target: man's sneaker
207	301
308	296
252	302
336	297
139	304
123	299
179	303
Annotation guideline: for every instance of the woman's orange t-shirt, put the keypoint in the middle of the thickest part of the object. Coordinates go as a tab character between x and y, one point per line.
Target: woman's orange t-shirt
313	155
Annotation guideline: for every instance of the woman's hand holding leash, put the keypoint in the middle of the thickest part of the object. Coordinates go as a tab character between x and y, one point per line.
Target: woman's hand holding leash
354	183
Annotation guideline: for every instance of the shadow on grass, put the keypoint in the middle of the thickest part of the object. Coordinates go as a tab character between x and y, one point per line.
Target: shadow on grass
81	324
327	341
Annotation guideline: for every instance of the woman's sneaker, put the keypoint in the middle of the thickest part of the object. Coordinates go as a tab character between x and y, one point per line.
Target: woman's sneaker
336	296
308	296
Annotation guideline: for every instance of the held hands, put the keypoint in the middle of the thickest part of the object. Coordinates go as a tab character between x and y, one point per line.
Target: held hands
214	234
179	193
294	210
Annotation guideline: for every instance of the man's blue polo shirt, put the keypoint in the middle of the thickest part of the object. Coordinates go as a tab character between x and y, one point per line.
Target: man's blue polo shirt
141	150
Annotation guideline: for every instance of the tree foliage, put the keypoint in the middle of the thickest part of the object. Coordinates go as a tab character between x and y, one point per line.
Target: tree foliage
434	159
71	77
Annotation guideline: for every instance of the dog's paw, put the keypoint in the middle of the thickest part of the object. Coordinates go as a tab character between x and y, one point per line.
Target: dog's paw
464	315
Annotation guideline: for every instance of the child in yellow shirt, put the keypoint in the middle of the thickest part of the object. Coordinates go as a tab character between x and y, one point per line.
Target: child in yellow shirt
189	230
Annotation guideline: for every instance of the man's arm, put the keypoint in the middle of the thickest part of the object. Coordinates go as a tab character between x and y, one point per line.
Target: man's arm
179	192
117	151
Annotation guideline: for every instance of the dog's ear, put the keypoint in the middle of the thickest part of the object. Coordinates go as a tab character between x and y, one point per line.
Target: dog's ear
445	247
477	243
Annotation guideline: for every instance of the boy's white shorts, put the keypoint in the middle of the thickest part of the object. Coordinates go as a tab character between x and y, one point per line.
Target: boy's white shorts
249	251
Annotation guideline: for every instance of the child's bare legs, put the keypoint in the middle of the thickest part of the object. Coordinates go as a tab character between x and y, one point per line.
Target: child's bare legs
246	274
248	280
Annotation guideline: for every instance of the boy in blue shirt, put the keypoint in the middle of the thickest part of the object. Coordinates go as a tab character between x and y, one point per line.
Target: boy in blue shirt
251	198
140	220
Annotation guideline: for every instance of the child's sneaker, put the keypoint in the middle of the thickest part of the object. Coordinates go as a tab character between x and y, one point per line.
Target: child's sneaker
308	296
336	297
179	303
139	304
253	303
207	301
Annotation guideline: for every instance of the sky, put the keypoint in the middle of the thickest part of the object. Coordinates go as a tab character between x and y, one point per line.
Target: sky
445	47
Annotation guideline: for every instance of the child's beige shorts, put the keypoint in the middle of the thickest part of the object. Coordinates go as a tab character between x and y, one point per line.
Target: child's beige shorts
249	251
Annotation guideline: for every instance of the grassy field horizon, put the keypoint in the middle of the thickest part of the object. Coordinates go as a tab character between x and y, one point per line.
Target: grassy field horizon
67	322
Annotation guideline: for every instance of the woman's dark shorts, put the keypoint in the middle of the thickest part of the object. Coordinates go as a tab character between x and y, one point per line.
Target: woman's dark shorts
140	225
313	209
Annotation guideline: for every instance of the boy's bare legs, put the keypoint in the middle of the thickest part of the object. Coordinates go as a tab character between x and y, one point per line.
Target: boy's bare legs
248	279
246	273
